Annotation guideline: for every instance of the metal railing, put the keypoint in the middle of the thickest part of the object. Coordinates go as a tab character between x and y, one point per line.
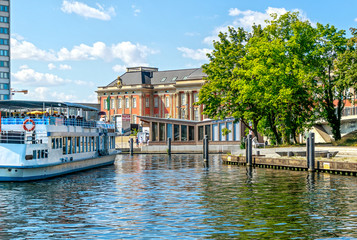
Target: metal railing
58	122
20	137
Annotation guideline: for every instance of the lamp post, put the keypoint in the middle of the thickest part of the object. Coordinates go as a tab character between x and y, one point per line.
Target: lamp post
12	92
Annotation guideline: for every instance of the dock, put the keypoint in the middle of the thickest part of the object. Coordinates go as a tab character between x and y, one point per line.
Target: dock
321	165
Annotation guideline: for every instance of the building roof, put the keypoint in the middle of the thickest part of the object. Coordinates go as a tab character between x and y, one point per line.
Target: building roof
141	75
20	104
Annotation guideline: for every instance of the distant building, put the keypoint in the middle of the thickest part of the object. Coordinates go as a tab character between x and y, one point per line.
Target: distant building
4	49
146	91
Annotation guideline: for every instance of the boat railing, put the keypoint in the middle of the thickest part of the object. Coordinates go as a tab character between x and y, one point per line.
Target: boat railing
12	137
20	137
58	122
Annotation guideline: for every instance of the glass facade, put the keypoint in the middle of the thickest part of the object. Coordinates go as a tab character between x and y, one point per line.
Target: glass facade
5	50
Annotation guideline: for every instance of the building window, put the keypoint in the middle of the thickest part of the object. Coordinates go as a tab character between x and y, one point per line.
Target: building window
4	41
4	75
167	102
126	102
4	19
134	119
104	103
183	99
4	30
183	113
147	102
196	114
112	103
195	97
119	102
4	52
4	63
4	97
4	8
156	102
4	86
134	102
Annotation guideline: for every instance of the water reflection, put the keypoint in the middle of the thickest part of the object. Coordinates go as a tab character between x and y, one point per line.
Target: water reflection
160	196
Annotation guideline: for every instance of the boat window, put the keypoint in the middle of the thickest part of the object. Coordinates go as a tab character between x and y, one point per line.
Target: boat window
53	143
78	144
46	153
34	154
38	154
64	145
42	153
90	144
70	145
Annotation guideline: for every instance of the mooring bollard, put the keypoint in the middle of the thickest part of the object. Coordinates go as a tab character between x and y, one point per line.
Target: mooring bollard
245	140
249	152
169	146
204	147
207	150
308	152
131	146
312	152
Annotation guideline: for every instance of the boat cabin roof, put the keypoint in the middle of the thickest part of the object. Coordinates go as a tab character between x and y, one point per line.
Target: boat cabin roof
20	104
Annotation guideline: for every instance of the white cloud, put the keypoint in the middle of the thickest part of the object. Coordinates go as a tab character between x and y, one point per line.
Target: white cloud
29	77
51	66
50	94
198	54
21	49
119	68
247	18
65	67
131	54
136	10
86	11
192	34
24	67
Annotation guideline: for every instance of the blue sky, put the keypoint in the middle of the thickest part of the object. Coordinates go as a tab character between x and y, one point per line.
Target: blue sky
63	49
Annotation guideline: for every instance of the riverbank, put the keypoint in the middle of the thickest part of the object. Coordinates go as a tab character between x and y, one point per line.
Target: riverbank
345	162
345	154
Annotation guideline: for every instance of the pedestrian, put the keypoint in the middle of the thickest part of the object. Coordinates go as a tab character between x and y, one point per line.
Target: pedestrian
137	142
141	141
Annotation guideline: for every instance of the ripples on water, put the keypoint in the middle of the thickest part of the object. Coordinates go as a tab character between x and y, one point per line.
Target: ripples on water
152	196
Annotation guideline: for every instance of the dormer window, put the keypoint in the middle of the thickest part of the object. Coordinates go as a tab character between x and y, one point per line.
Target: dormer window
163	79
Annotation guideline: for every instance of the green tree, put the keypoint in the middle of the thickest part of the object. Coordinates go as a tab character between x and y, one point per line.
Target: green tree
260	78
222	94
331	86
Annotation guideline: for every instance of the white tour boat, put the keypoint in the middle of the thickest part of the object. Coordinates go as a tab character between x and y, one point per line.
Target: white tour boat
34	145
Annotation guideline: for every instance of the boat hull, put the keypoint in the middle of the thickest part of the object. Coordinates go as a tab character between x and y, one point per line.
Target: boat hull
20	174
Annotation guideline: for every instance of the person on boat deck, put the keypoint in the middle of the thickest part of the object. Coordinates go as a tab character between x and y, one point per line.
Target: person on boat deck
47	115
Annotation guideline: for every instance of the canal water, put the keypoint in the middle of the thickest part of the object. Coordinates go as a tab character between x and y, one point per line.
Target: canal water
157	197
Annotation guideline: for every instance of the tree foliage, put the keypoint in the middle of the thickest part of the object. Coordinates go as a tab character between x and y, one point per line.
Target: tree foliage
279	79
